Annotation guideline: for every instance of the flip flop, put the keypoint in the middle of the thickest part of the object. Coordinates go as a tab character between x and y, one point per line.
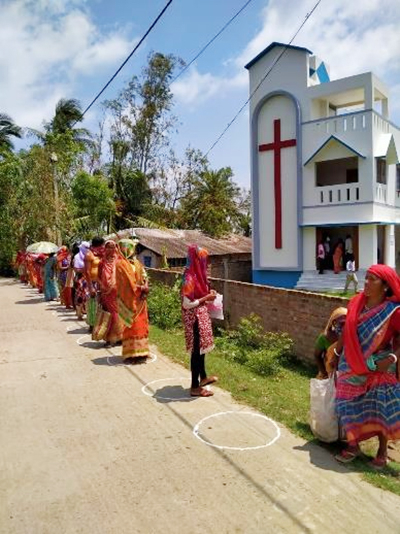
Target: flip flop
379	462
208	380
202	393
347	456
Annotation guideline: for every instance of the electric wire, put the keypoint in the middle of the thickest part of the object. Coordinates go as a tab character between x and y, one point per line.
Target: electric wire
185	68
262	79
153	24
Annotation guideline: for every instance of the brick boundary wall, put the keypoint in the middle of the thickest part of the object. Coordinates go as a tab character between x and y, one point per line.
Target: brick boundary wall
301	314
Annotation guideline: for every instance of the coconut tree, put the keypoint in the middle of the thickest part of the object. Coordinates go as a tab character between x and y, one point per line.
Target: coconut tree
8	130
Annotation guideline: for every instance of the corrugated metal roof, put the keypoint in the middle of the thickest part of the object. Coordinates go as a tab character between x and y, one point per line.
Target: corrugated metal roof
175	242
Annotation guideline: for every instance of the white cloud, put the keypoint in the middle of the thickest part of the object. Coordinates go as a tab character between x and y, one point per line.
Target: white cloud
46	47
352	37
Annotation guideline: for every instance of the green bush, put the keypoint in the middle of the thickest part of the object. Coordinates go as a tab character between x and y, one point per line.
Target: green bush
263	352
165	305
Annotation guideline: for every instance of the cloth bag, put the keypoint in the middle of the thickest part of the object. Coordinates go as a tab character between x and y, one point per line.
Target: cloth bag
216	308
102	324
91	311
323	419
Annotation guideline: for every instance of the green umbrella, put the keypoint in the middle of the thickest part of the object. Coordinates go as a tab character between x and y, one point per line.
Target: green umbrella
43	247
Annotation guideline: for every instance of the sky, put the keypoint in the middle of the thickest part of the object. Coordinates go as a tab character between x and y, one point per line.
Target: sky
52	49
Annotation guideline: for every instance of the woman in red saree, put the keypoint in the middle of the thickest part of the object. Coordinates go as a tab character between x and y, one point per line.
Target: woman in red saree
108	292
132	288
63	263
368	387
196	319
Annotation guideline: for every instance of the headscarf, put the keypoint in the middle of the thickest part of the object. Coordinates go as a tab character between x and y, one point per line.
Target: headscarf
79	260
127	247
339	312
62	254
354	355
107	272
195	281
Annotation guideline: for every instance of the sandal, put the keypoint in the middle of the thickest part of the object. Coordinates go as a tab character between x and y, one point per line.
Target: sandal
201	392
208	380
347	456
379	462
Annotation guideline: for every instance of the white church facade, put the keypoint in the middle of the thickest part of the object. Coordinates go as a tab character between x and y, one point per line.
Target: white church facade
325	162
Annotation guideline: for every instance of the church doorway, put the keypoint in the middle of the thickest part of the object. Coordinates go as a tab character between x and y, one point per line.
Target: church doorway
336	235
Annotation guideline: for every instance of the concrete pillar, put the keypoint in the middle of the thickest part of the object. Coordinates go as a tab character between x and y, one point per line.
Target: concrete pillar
390	256
368	245
310	249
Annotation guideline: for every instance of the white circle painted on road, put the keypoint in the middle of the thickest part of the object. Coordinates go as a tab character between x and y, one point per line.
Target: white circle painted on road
152	359
266	431
146	388
82	337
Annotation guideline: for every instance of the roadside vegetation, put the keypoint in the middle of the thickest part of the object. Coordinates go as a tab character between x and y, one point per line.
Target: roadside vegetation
259	369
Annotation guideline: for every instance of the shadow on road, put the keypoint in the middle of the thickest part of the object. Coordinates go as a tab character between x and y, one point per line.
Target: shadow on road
36	300
169	394
81	330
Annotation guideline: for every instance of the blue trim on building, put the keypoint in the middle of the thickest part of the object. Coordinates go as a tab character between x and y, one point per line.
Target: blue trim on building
255	179
285	279
334	138
270	47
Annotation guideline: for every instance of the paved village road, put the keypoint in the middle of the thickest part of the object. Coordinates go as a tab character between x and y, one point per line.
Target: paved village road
85	449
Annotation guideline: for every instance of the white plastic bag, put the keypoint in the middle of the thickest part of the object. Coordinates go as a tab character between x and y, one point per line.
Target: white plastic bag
323	419
216	307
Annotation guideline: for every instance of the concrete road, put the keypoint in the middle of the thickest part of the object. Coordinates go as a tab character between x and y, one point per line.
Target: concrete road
87	448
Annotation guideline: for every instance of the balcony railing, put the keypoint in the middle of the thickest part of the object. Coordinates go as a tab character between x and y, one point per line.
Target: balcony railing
338	194
380	193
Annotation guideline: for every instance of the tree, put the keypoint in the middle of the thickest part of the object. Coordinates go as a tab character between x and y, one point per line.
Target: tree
93	202
8	129
211	206
142	119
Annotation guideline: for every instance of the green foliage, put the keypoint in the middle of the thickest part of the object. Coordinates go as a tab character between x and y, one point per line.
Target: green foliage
93	201
165	305
263	352
8	130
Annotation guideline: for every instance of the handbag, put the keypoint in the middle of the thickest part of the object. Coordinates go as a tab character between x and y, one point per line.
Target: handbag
323	419
102	324
91	311
216	307
70	278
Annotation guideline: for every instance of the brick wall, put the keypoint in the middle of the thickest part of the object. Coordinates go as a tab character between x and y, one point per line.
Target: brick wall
301	314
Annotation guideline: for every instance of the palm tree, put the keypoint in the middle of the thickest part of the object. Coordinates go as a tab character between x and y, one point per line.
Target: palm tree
68	114
8	129
212	204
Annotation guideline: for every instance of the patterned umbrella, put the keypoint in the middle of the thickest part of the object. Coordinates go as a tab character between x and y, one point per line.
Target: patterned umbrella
42	247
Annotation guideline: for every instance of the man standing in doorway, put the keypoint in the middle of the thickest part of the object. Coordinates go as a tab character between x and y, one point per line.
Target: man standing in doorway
348	248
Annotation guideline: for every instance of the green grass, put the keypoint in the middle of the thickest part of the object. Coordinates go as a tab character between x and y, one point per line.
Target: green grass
284	398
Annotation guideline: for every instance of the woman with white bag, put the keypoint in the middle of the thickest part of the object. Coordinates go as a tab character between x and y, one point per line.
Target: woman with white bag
196	293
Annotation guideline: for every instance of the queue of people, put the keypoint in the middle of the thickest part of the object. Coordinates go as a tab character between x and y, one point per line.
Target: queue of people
105	283
360	348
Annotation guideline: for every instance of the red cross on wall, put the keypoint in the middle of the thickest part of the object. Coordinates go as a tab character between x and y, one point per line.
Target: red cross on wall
276	146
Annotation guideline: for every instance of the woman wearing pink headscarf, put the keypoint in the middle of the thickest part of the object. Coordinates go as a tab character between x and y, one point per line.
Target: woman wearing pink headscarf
368	387
196	319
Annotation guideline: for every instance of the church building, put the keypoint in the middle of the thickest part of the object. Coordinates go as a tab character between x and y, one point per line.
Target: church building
324	163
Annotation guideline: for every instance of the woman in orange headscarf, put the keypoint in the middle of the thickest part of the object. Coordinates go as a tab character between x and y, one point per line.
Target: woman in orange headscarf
196	319
368	388
132	289
108	292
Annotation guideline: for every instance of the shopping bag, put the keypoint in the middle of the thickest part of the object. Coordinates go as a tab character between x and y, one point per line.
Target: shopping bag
216	307
102	324
323	418
91	311
70	278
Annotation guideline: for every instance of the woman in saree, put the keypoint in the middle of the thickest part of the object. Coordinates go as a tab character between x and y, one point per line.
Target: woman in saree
50	278
20	264
38	263
196	319
108	292
63	263
338	257
368	387
30	268
326	339
80	285
132	290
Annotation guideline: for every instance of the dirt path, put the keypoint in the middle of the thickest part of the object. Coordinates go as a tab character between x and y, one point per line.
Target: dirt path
85	448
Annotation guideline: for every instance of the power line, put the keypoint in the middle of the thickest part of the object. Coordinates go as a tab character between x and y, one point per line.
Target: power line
211	41
262	79
127	59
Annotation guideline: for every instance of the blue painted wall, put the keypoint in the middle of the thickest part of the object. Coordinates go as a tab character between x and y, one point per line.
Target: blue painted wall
286	279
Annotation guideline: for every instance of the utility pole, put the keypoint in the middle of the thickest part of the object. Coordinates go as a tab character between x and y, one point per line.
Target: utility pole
53	160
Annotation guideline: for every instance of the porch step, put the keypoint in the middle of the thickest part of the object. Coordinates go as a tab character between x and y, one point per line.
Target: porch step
329	281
